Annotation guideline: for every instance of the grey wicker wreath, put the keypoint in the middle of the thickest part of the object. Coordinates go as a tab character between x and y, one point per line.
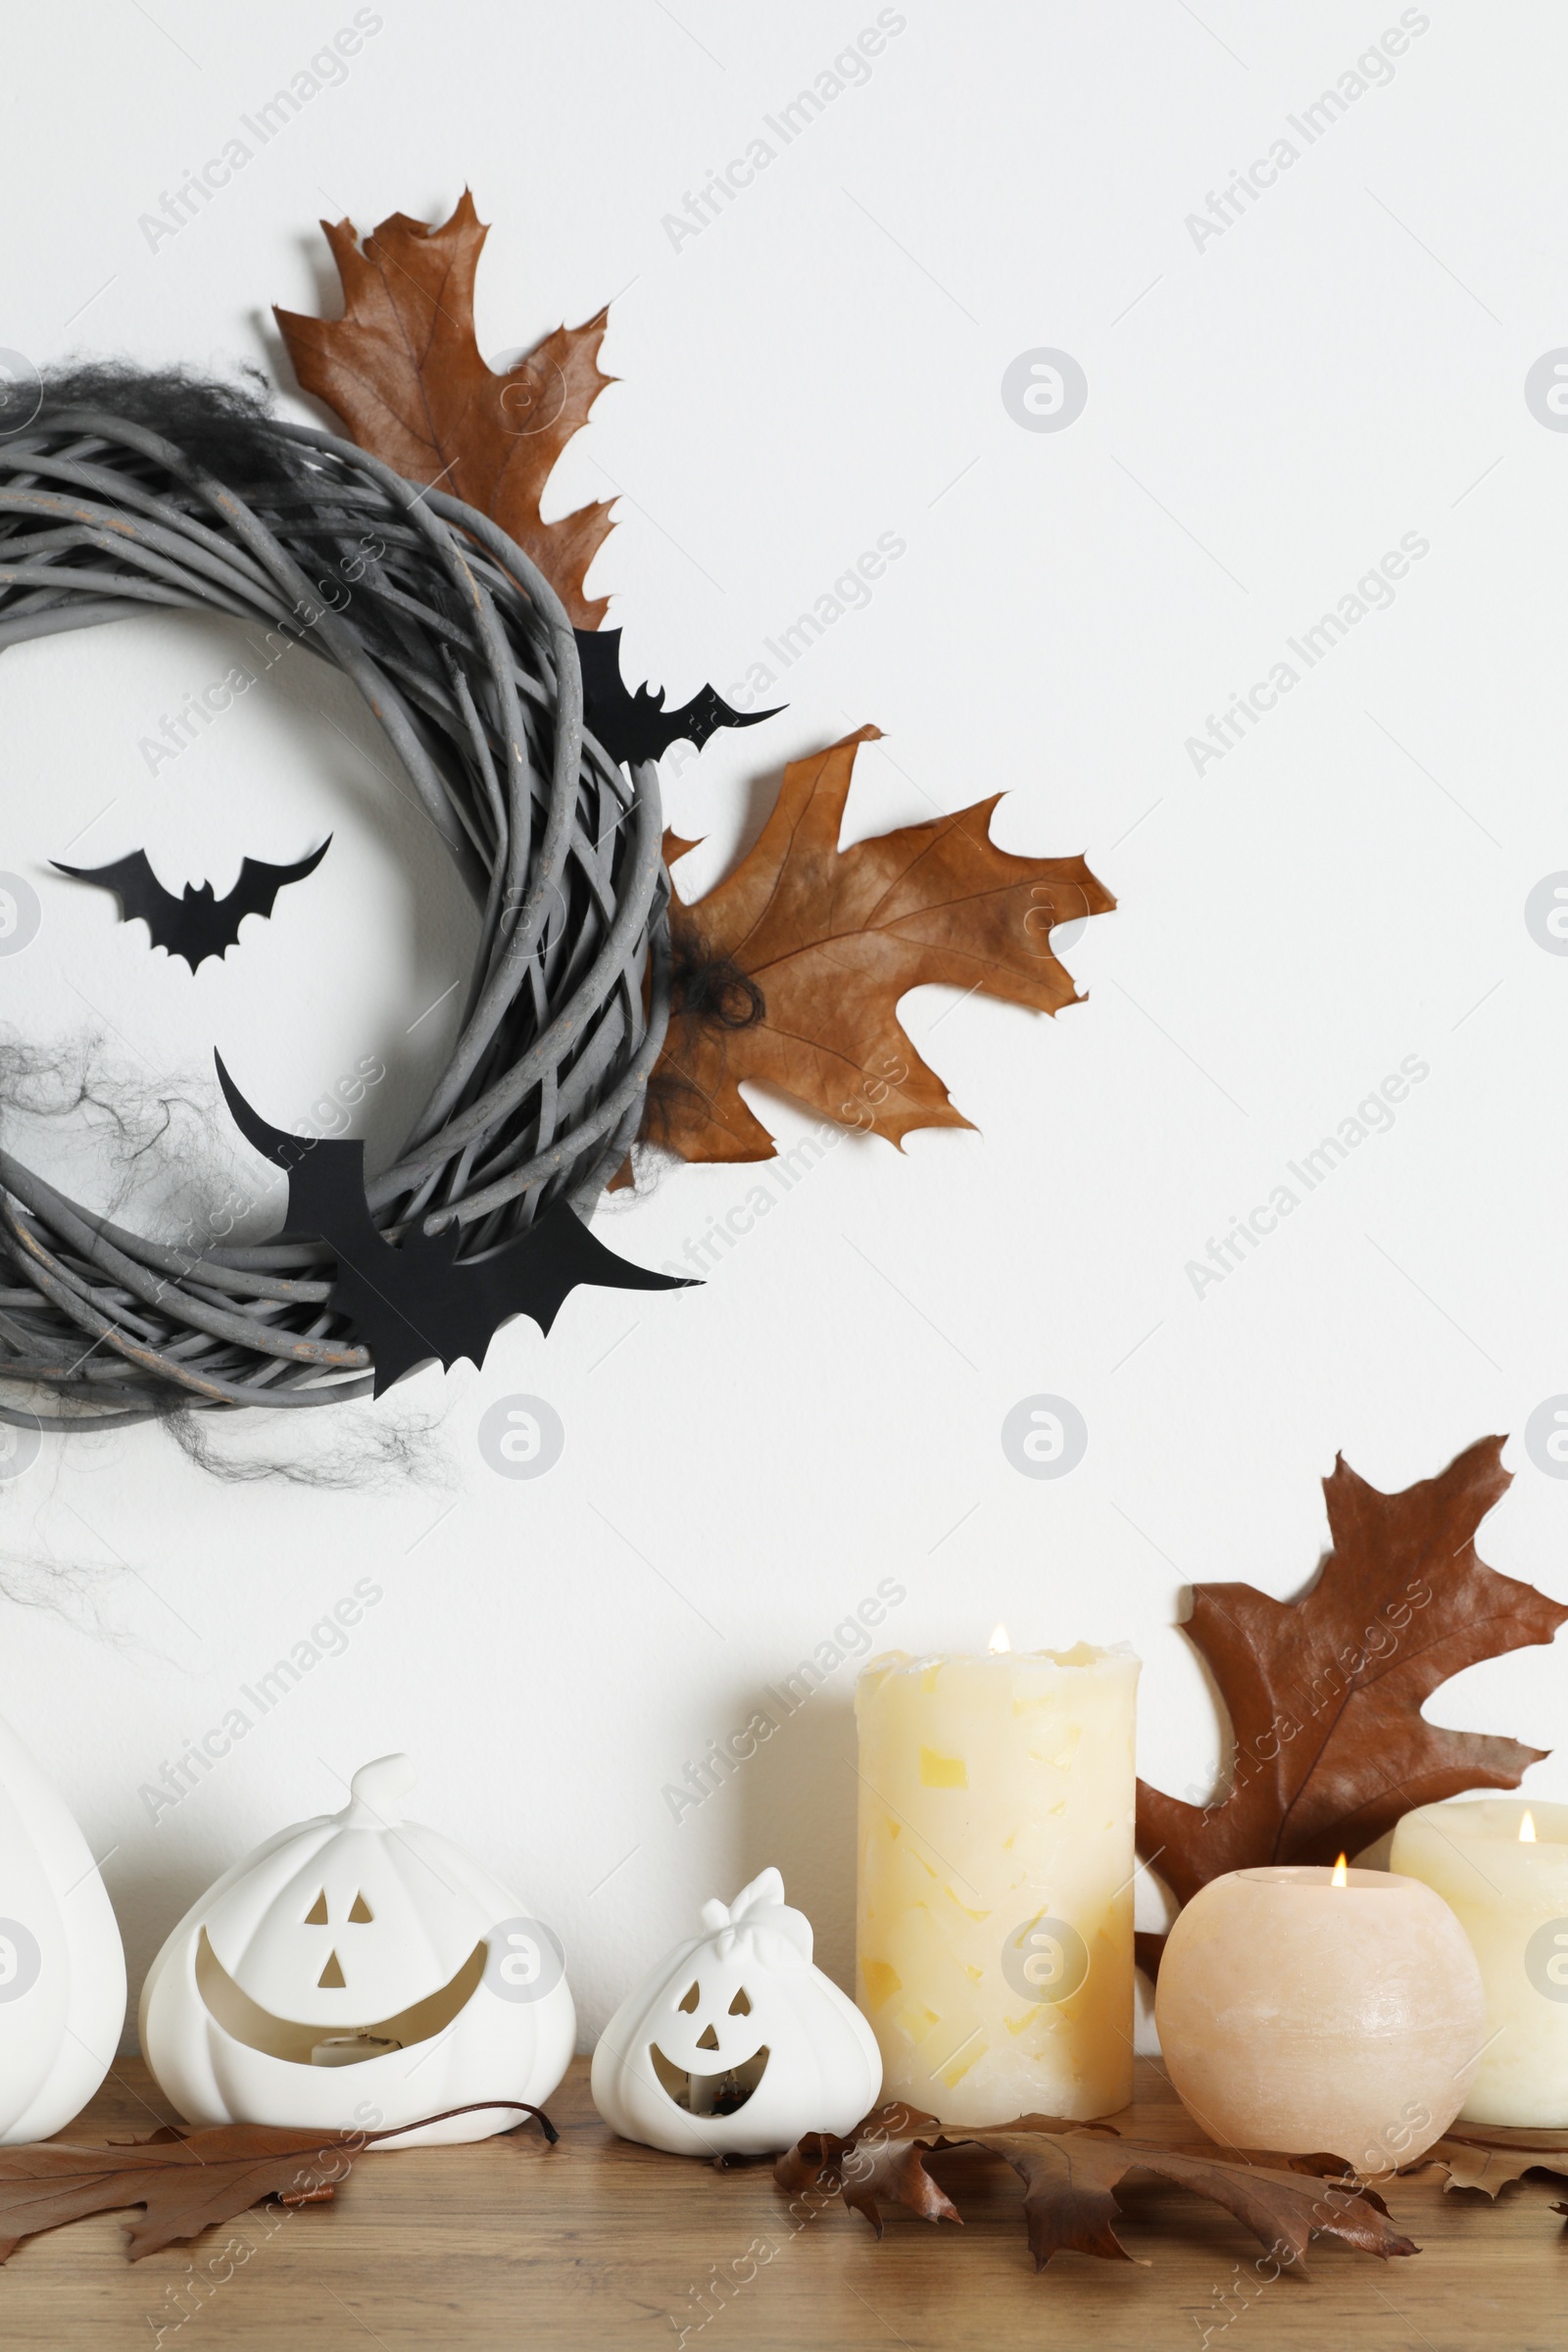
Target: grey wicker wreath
465	657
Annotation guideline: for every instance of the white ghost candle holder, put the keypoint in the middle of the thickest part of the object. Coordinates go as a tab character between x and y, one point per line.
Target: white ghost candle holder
359	1969
62	1964
735	2044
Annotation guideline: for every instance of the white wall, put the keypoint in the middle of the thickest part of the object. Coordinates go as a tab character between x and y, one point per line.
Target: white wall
1270	410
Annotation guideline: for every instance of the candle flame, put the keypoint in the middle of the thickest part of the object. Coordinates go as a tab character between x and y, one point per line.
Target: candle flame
1342	1876
1527	1829
998	1641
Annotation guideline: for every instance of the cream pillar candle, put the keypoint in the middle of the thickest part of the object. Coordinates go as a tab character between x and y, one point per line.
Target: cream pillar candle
1510	1892
1320	2012
995	1920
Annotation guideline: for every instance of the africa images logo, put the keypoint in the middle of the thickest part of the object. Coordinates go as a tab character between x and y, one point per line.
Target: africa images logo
521	1437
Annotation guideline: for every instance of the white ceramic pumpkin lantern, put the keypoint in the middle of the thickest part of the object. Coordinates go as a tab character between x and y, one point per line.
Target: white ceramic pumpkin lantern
358	1969
62	1964
735	2044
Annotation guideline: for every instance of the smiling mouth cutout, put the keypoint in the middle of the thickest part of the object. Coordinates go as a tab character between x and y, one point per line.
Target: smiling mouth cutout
725	2091
245	2021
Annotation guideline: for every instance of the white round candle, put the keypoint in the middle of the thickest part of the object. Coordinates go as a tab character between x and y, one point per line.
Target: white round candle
1511	1897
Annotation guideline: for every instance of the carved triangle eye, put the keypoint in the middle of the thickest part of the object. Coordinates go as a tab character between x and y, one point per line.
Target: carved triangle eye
332	1975
692	1998
362	1913
739	2006
315	1915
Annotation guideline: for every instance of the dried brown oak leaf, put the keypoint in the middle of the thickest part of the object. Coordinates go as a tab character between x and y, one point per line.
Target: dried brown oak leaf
1070	2178
404	371
187	2181
833	939
1494	2156
1325	1692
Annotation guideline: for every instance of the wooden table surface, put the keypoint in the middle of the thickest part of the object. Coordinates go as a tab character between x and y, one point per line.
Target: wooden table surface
595	2243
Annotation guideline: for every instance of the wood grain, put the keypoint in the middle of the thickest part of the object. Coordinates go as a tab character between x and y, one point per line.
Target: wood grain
595	2243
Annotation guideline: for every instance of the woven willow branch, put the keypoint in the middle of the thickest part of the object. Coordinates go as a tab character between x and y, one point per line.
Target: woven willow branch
465	657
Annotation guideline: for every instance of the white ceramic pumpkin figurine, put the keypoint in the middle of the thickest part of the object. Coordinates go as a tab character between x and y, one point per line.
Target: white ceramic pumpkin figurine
62	1964
357	1969
735	2043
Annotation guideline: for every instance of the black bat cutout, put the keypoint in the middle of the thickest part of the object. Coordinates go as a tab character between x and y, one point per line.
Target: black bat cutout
637	726
195	925
412	1301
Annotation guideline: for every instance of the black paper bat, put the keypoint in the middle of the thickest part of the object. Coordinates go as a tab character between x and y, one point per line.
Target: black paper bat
637	726
411	1302
195	925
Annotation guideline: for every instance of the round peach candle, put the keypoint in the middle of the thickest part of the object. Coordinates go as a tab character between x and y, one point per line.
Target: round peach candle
1510	1892
1320	2012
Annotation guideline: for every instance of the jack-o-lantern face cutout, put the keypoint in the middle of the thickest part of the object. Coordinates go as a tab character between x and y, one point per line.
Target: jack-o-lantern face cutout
359	1940
736	2042
715	2066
